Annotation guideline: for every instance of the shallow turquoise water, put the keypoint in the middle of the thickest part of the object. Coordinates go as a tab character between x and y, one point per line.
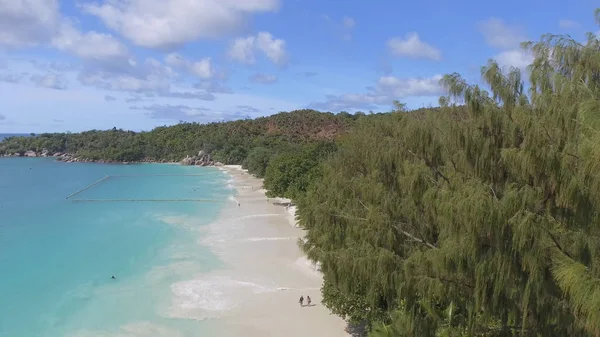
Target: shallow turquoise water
57	256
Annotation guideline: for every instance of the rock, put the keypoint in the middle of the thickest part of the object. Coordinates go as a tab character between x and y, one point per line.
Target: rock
30	154
187	161
57	154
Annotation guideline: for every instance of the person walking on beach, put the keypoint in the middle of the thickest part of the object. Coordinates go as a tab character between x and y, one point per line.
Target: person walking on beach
301	301
308	300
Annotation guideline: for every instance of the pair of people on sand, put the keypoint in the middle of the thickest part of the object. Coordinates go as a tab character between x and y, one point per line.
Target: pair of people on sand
301	300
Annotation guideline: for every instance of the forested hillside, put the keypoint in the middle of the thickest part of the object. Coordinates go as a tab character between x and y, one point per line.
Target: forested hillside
477	218
228	142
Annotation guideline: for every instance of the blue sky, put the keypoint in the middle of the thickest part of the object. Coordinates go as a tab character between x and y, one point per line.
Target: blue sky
137	64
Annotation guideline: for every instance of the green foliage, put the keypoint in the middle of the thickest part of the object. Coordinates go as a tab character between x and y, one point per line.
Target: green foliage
258	160
480	218
290	174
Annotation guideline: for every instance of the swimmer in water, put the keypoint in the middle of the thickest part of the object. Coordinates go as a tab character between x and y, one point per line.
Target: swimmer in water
113	277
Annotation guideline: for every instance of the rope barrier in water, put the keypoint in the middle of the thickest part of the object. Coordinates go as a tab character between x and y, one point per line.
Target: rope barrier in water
141	200
87	187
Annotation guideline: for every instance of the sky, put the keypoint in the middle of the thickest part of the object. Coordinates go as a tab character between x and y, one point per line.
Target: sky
137	64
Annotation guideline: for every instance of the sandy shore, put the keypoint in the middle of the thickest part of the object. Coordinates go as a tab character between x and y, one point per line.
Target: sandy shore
266	272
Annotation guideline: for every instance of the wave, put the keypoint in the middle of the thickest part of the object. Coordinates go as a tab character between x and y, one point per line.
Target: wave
256	216
269	239
135	329
207	298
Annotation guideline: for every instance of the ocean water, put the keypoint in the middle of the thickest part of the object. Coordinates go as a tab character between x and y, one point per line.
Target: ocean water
57	256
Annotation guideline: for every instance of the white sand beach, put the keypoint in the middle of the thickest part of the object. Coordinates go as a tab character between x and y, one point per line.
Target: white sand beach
257	294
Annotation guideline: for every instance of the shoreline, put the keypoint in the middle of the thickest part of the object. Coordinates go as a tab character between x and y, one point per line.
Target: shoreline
257	240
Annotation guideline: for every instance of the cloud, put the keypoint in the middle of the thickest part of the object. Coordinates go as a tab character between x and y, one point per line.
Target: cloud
204	96
344	28
50	80
243	50
566	23
149	76
348	25
514	58
248	109
90	45
169	24
499	35
412	46
348	22
202	69
2	117
27	23
310	73
12	77
109	98
171	112
387	89
213	87
187	113
57	66
263	78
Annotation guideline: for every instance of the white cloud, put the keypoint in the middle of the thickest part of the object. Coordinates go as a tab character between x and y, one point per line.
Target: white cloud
50	80
344	28
514	58
149	76
404	87
167	24
27	23
263	78
508	38
348	25
90	45
348	22
202	69
412	46
566	23
243	50
12	77
387	89
498	34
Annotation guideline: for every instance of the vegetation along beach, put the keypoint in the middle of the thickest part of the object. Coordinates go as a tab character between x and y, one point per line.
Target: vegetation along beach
478	215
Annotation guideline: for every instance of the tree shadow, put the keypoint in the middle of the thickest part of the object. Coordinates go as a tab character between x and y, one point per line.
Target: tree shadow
356	330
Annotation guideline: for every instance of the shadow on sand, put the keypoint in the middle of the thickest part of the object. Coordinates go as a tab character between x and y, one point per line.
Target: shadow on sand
356	330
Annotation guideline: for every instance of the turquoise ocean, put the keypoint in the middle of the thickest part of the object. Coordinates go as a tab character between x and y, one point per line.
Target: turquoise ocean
57	256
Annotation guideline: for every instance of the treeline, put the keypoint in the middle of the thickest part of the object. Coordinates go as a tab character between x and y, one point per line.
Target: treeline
228	142
480	219
286	149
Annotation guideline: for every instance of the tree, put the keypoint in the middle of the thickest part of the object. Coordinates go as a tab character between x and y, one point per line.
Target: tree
480	219
258	161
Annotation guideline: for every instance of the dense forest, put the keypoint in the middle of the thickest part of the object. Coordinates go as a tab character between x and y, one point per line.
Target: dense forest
477	218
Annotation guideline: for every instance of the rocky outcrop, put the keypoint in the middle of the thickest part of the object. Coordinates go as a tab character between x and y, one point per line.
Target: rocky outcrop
202	159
